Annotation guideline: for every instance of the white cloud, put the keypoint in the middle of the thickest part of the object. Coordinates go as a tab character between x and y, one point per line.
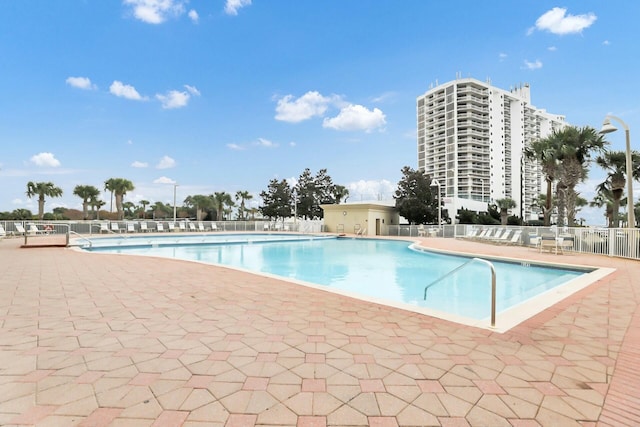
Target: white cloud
537	64
117	88
232	6
266	143
45	160
177	99
164	180
356	117
606	42
138	164
166	163
557	21
235	147
308	105
155	11
193	15
292	144
552	48
80	83
370	190
502	56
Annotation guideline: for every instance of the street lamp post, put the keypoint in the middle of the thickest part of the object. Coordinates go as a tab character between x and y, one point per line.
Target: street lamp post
437	184
174	202
607	127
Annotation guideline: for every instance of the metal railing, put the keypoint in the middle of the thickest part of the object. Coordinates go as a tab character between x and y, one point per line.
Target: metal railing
493	284
618	242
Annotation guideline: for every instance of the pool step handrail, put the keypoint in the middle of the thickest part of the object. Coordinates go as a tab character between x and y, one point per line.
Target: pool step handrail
493	284
80	236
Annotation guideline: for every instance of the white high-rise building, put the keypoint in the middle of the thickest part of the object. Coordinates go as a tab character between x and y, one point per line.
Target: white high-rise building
471	138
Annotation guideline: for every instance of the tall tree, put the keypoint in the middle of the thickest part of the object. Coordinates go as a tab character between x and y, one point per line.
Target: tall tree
119	187
86	193
504	205
242	196
416	201
221	200
200	203
577	146
277	201
615	164
42	190
306	194
144	204
341	194
545	151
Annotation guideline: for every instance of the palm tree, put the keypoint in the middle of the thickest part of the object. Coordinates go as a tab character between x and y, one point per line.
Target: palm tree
574	154
504	205
341	194
545	152
86	193
243	196
614	162
220	200
96	204
144	204
42	190
201	204
119	187
604	197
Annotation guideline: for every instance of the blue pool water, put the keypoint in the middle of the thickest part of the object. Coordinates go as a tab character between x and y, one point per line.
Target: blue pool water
386	269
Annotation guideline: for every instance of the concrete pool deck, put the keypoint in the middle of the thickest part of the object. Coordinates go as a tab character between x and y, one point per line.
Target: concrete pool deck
111	340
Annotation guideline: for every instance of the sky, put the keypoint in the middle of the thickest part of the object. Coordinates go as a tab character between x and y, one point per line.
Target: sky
225	95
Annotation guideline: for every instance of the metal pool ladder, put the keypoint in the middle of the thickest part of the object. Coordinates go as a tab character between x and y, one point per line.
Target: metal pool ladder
493	284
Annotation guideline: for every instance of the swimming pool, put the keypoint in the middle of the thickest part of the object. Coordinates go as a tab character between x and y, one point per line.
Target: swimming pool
376	269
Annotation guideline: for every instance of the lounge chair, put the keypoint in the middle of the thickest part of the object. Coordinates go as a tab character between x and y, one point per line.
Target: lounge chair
362	231
549	243
144	227
534	240
33	230
201	227
104	227
131	227
565	242
171	226
182	226
115	227
515	239
160	227
503	236
3	232
192	227
421	231
266	226
214	226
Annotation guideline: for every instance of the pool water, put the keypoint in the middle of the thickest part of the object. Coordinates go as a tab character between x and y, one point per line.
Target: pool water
381	269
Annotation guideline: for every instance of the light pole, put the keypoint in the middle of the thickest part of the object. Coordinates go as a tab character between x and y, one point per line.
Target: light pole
607	127
437	184
174	202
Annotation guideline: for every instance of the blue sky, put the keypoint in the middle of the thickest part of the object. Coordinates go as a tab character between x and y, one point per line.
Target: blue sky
219	95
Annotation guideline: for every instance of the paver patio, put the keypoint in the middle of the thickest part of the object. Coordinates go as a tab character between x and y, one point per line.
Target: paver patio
109	340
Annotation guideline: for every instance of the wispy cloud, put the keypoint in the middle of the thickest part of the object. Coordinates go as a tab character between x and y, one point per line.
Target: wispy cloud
193	15
232	6
356	117
81	83
164	180
552	48
235	147
122	90
166	162
557	21
138	164
155	11
606	43
262	142
502	56
535	65
45	160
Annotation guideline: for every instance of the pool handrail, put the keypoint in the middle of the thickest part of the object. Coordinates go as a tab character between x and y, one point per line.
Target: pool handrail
493	284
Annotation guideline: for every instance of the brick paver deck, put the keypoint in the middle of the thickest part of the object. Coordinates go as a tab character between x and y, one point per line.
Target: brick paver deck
109	340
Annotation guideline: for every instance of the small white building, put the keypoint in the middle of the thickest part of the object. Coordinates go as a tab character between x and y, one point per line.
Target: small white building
374	217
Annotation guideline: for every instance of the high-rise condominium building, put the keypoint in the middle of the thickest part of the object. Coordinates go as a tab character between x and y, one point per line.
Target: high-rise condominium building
471	138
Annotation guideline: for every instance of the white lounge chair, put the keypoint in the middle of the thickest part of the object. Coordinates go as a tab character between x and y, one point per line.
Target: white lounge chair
214	226
144	227
171	226
115	227
421	231
3	232
201	227
266	226
131	227
192	227
33	230
104	227
160	226
182	226
515	239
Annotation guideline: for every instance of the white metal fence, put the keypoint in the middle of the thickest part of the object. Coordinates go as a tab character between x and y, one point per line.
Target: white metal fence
619	242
